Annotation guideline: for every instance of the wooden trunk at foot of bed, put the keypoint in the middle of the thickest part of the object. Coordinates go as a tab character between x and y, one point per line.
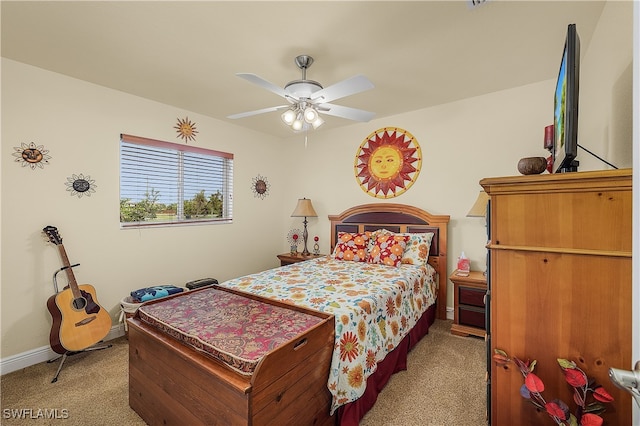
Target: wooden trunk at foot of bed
172	384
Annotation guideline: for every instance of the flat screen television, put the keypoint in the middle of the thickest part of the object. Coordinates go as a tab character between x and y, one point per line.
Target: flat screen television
565	146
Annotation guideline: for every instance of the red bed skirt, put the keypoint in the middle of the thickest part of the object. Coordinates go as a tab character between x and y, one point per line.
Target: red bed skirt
396	360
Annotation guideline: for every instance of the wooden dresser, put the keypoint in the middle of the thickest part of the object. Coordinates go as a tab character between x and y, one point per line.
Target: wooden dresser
559	286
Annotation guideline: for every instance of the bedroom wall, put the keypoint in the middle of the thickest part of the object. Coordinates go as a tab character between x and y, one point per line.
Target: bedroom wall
79	123
465	141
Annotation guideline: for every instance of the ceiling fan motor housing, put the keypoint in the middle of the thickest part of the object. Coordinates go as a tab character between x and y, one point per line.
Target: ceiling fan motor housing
302	89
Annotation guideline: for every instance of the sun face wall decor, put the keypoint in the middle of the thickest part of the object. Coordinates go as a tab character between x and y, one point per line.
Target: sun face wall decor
186	129
31	155
260	187
81	185
388	162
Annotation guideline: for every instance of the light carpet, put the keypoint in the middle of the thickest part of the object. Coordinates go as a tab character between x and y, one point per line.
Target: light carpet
443	385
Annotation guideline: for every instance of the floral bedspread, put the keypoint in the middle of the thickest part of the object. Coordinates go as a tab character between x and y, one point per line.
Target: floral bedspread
374	306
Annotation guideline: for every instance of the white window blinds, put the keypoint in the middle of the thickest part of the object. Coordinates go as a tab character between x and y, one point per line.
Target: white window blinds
163	183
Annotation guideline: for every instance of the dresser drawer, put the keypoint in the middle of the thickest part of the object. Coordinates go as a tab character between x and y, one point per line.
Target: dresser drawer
468	315
471	296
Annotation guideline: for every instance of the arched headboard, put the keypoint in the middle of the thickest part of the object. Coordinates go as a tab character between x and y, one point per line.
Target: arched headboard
400	218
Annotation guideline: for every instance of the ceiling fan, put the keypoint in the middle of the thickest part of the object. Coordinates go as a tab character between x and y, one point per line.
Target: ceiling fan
307	98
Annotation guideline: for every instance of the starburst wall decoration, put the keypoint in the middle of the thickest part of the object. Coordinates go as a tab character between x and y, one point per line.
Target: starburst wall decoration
81	185
260	187
388	162
186	129
31	155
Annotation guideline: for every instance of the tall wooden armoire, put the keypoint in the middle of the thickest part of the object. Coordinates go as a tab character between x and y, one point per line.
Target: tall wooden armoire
559	286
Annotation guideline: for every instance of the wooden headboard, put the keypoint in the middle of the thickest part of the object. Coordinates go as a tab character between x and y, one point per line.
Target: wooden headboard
400	218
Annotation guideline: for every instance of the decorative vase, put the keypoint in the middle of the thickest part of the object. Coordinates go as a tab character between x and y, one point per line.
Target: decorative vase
294	250
532	165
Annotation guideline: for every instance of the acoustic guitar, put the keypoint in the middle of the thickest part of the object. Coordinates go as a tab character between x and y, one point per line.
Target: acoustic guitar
78	319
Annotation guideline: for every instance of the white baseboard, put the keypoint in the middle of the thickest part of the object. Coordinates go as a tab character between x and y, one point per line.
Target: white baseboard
449	313
44	353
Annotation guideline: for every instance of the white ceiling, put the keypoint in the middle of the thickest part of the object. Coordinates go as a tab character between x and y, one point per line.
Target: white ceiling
417	53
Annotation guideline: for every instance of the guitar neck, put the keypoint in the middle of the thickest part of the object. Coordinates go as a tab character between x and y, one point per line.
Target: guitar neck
73	285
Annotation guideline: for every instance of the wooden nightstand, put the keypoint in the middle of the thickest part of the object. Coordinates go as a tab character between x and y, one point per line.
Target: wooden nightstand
469	304
288	258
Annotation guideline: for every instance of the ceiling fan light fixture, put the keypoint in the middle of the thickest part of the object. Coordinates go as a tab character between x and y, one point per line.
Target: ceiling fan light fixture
317	122
288	117
310	114
307	98
297	124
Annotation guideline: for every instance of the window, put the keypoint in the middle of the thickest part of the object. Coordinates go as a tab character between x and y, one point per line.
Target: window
163	183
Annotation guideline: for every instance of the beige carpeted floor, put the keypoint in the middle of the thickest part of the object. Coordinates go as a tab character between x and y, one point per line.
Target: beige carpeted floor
444	385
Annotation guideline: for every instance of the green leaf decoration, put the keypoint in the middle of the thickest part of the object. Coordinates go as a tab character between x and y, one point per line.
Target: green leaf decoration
500	352
565	363
595	408
573	421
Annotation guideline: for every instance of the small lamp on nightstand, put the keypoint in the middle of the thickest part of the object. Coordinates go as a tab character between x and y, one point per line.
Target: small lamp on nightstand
304	209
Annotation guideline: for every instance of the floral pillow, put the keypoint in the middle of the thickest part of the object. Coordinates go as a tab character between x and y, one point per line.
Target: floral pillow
387	248
417	250
351	246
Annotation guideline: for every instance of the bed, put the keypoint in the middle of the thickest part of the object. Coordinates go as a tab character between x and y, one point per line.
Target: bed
376	312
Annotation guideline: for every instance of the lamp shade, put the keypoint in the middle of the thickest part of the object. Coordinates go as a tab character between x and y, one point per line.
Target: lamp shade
304	209
479	208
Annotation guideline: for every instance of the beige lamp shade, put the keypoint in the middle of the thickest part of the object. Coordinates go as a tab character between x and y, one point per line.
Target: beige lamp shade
304	209
479	208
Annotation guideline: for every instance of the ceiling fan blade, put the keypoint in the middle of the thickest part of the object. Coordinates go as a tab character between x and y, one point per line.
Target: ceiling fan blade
252	78
258	111
350	86
346	112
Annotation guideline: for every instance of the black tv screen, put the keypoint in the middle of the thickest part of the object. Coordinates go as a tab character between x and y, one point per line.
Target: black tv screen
565	146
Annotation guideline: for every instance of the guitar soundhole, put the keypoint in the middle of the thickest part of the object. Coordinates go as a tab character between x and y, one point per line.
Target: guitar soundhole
79	303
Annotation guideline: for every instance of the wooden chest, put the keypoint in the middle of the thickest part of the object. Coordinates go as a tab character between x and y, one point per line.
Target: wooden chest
171	383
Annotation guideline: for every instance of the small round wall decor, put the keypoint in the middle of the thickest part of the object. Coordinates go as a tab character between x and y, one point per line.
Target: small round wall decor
388	162
81	185
186	129
260	187
31	155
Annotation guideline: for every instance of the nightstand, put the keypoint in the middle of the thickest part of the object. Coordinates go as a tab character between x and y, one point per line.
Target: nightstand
288	258
469	304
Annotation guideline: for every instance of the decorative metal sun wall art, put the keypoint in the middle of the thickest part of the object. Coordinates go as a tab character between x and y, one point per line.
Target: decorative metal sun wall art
31	155
388	162
260	187
81	185
186	129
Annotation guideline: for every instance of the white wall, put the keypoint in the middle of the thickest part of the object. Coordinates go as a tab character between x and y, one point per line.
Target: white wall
605	112
79	123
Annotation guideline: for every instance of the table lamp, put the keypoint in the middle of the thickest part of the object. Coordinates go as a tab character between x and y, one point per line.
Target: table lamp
304	209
